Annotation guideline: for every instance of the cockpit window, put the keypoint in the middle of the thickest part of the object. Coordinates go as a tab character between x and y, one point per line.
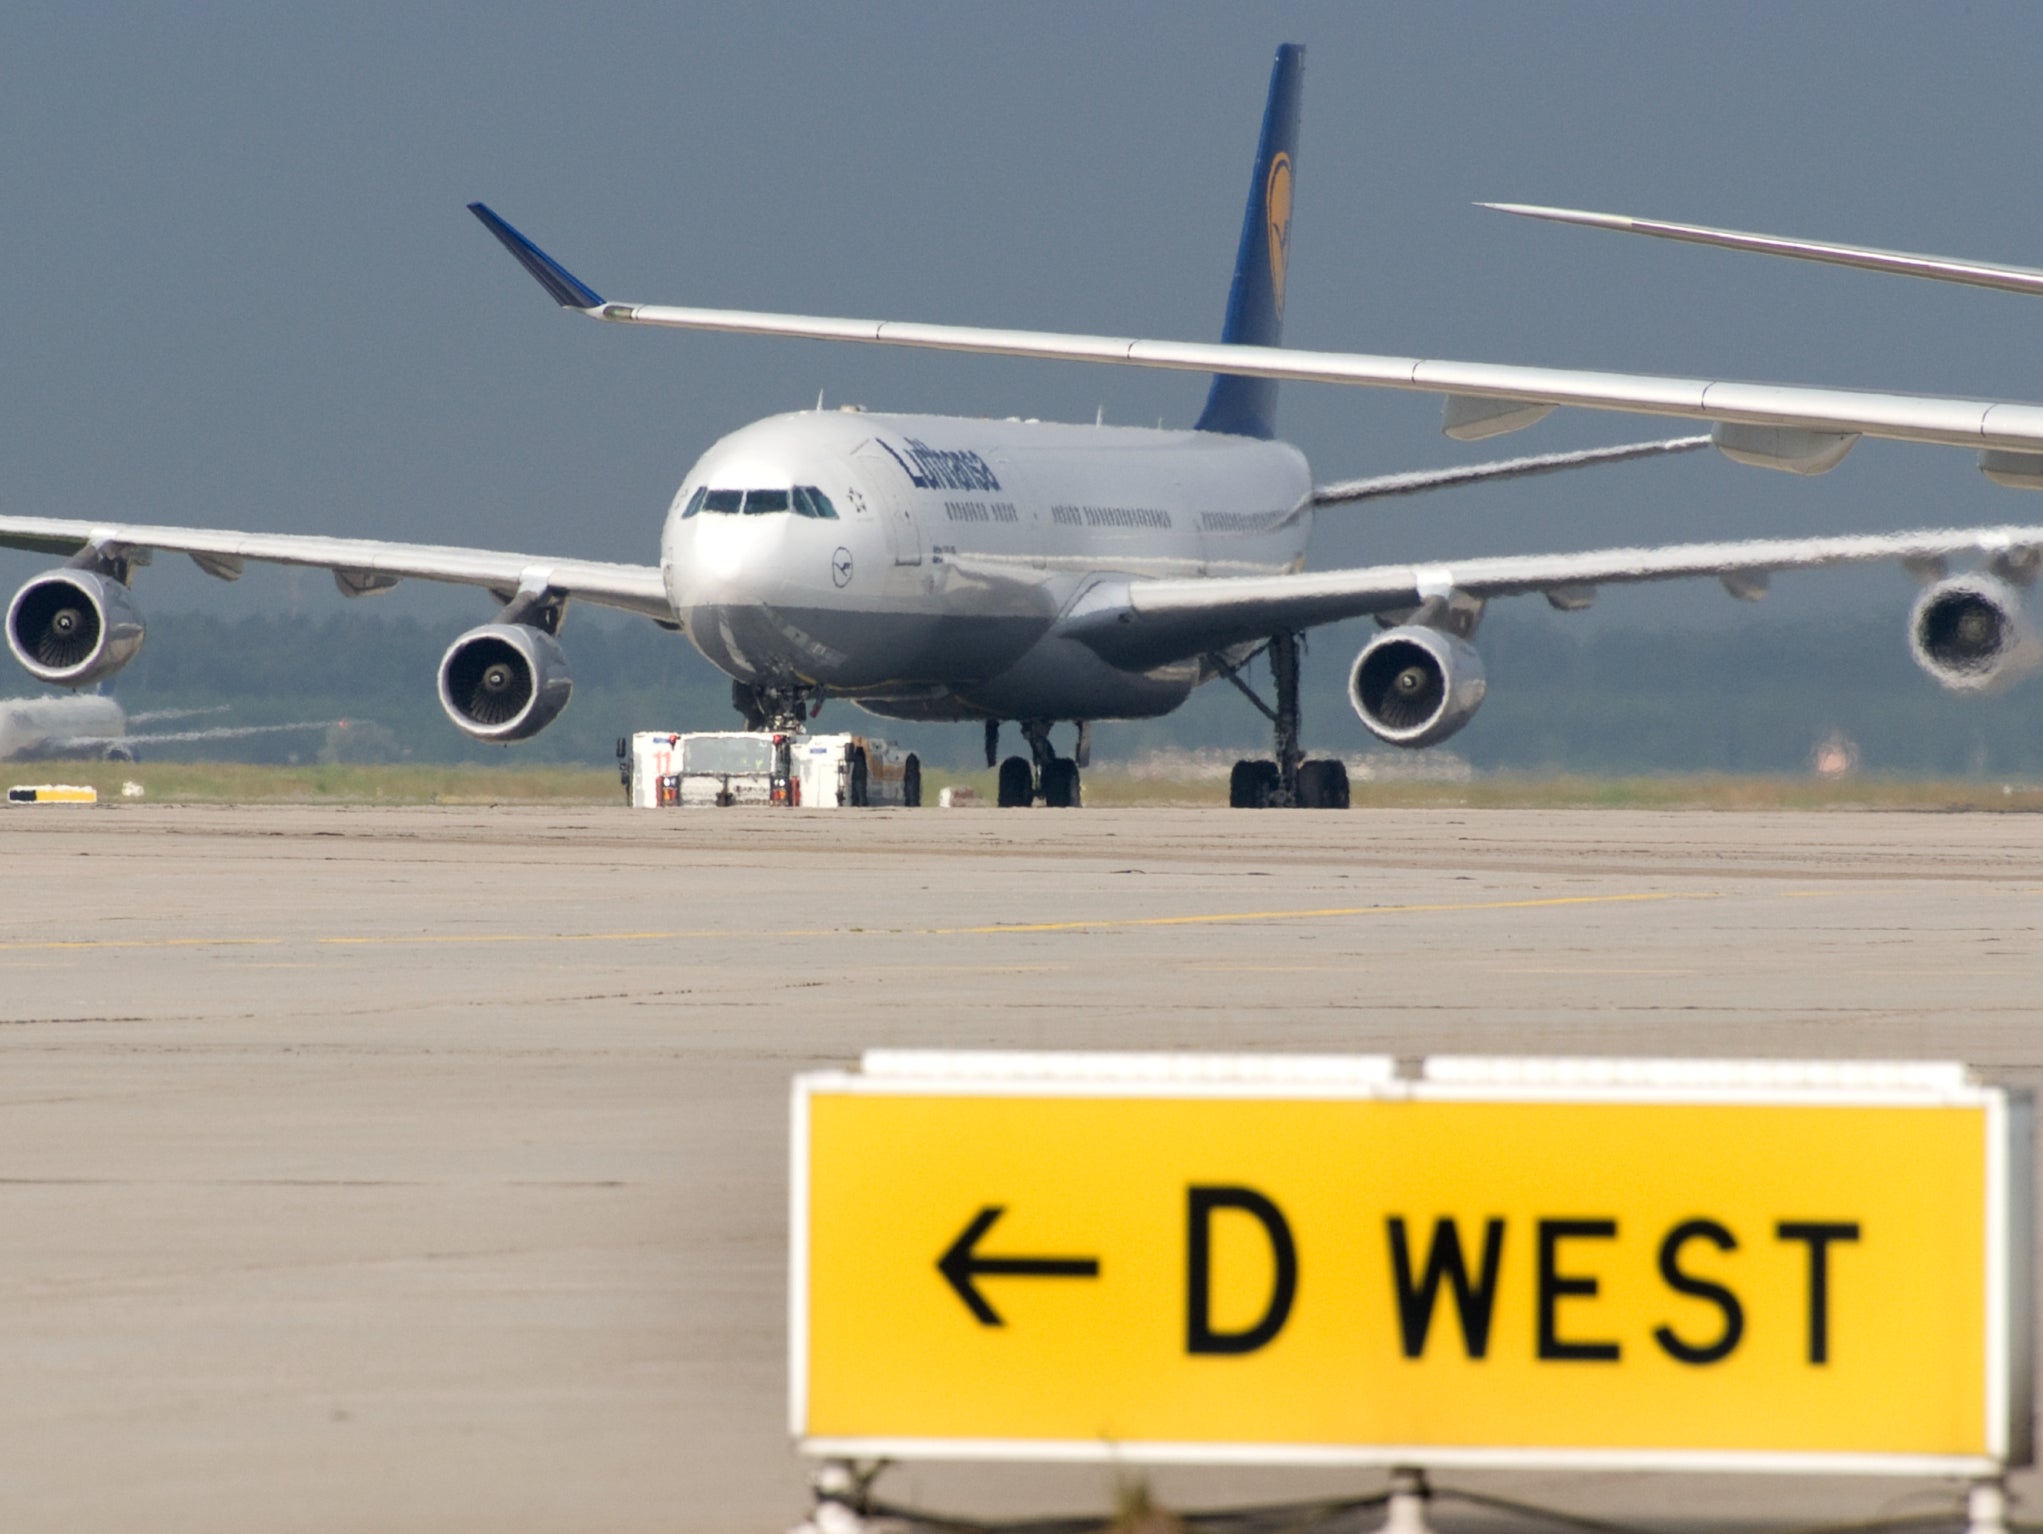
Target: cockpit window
803	501
811	502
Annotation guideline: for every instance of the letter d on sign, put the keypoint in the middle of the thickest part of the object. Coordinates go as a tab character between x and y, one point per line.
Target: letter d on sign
1200	1337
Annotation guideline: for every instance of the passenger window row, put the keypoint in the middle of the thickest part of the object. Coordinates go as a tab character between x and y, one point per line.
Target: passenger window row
803	501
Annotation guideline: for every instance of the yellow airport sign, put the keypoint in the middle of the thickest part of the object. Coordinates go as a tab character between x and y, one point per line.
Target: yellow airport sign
52	793
1617	1263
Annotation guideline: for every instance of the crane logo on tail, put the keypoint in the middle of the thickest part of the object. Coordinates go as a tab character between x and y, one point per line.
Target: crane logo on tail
1277	217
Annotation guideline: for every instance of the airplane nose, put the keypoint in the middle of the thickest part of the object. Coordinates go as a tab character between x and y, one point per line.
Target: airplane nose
737	559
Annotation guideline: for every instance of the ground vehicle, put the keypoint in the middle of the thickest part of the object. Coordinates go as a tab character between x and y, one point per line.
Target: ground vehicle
661	769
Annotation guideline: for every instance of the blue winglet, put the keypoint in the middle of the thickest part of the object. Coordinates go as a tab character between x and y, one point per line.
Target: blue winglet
568	290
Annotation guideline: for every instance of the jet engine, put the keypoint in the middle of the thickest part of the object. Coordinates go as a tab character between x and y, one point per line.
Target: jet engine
1414	686
73	627
1969	633
504	681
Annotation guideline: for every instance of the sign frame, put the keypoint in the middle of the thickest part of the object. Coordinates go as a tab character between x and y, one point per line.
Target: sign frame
2009	1263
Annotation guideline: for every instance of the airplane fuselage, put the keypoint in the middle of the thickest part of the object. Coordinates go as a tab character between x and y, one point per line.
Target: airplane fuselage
920	563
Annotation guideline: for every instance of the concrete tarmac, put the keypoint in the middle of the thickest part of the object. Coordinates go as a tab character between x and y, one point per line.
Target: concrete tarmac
370	1168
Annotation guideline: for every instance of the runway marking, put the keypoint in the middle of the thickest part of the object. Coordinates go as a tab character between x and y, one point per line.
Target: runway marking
1322	912
1508	969
1276	969
415	938
57	944
1086	924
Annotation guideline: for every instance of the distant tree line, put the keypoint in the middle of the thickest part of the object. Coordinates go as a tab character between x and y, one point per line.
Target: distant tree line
1735	698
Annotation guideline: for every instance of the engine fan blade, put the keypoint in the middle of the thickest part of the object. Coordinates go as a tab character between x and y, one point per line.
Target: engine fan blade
67	638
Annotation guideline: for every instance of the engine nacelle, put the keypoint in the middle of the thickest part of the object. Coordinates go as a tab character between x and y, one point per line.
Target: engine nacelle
1415	685
1969	633
504	681
73	627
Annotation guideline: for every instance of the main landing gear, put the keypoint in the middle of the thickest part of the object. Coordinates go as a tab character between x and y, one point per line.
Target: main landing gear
1043	774
1290	780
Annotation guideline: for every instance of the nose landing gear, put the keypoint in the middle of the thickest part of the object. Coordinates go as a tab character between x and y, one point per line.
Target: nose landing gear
775	708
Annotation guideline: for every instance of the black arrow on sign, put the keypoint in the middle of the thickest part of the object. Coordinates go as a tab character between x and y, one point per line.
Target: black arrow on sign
961	1264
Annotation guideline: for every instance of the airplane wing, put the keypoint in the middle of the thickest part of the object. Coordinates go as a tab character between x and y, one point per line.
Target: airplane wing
158	715
1798	429
1378	486
1901	263
170	737
1139	623
359	565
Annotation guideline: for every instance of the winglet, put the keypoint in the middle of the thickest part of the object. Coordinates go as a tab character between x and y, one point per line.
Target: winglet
568	290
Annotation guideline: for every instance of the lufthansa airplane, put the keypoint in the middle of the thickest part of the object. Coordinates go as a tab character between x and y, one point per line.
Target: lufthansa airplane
74	726
952	568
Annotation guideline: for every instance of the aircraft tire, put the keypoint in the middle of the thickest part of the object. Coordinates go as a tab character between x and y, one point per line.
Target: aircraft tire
911	783
1061	789
1017	784
1250	785
1339	796
1323	785
745	699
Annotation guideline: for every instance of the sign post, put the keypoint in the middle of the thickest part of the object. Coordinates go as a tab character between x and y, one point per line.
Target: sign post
1313	1261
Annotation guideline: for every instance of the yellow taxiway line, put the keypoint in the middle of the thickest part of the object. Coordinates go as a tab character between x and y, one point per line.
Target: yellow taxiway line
996	929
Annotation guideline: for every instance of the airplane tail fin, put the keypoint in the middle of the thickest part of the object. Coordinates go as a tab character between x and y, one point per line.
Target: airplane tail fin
1247	407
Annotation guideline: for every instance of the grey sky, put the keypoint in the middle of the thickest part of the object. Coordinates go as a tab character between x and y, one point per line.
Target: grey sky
242	290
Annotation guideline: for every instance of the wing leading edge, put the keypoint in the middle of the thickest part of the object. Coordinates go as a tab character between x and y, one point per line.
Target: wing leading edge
1150	622
1785	426
1868	258
360	565
1378	486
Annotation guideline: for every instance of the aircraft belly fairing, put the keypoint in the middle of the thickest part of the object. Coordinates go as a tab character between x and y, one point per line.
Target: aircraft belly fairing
1060	678
849	650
